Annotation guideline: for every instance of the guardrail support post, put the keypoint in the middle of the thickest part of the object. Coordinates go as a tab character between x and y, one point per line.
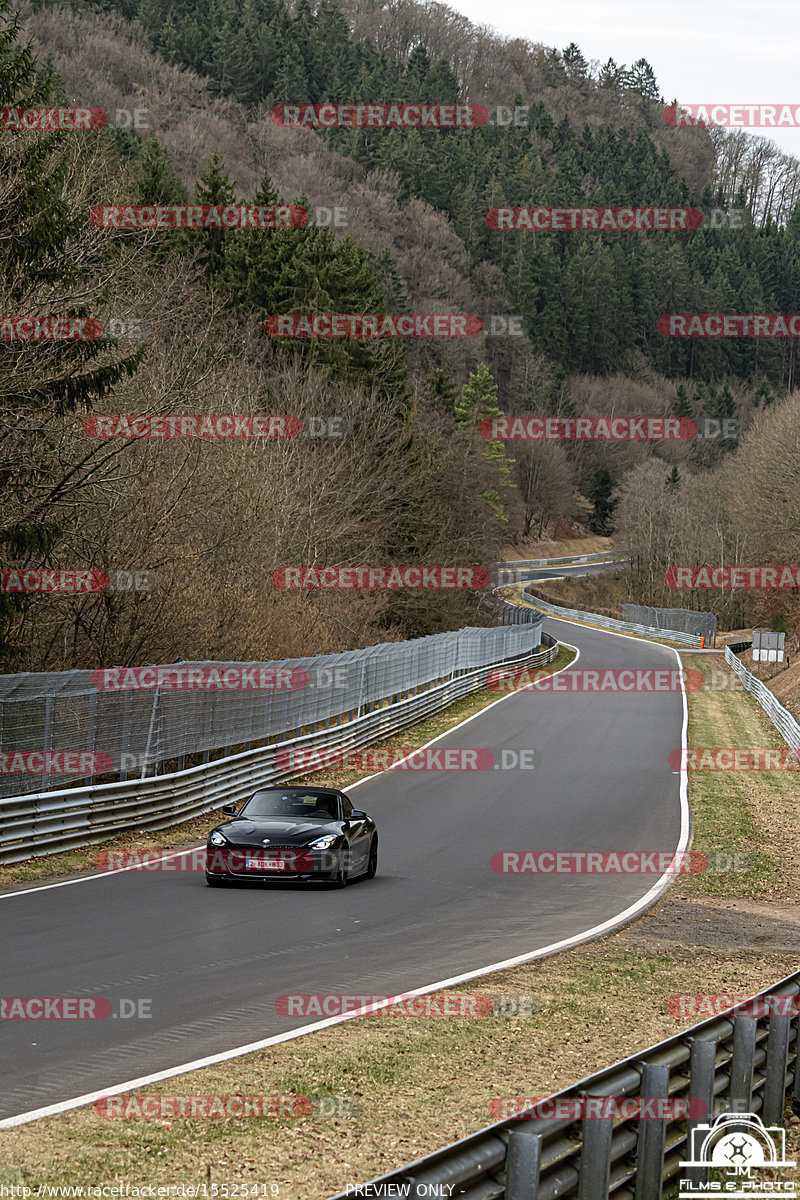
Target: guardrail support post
523	1164
650	1150
775	1074
744	1044
702	1069
595	1167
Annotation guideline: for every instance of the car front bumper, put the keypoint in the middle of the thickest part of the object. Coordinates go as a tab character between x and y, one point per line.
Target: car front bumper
256	862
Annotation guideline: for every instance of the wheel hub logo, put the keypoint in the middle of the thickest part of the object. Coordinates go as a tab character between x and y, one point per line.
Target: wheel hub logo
740	1146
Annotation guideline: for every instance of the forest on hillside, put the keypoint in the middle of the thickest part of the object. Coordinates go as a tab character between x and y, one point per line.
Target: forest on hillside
411	480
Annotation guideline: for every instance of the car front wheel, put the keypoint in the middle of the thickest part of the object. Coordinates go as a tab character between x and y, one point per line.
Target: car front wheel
372	861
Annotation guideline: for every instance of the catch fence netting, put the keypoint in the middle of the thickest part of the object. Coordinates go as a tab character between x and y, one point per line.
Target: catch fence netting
687	620
120	723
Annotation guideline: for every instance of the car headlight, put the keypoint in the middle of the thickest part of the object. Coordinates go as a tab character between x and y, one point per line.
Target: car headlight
323	843
217	839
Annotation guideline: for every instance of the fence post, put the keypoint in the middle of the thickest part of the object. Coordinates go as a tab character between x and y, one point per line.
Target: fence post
523	1165
595	1167
48	729
149	734
775	1073
744	1044
125	736
650	1149
90	731
702	1069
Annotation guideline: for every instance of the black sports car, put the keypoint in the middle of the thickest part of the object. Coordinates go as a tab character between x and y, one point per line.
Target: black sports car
297	833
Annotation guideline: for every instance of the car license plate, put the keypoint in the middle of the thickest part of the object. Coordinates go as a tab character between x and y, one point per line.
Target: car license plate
265	864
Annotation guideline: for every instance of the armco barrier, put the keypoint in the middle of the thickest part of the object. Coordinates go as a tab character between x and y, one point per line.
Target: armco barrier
781	718
576	614
45	823
517	570
730	1063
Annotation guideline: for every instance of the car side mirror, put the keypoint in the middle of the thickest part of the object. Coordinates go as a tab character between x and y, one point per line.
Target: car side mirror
229	809
357	814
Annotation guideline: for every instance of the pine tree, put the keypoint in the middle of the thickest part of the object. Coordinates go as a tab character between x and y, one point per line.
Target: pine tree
214	188
723	405
600	491
157	181
440	387
673	480
478	403
681	405
576	65
610	75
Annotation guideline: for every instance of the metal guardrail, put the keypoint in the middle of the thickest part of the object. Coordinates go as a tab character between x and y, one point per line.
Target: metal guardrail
730	1063
48	822
786	725
512	614
609	555
515	570
674	635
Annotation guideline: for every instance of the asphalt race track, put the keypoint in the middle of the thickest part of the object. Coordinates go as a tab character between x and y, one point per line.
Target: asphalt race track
213	961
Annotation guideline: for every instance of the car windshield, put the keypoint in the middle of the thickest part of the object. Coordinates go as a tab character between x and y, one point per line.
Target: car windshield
292	806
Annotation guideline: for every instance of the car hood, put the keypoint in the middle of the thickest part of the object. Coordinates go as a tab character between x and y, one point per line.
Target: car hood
245	830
